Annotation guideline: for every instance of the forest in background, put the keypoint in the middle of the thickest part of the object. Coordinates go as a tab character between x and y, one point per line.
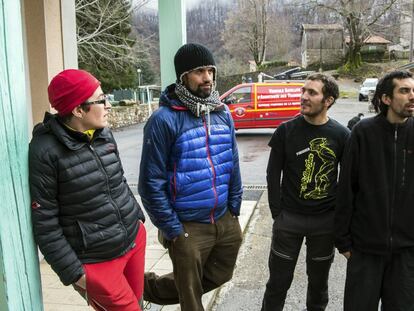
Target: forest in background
116	37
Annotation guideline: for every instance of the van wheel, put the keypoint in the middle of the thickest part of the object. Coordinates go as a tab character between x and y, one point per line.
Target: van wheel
360	98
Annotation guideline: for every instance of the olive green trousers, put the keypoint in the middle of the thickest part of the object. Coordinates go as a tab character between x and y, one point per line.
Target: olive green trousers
203	259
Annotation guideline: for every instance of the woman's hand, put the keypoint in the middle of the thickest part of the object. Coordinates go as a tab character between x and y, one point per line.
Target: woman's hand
347	254
81	282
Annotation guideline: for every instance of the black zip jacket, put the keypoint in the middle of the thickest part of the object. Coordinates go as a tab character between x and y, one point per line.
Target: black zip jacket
375	201
82	208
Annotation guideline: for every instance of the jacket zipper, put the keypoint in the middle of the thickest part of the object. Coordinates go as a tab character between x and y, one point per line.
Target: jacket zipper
394	184
98	160
214	172
403	169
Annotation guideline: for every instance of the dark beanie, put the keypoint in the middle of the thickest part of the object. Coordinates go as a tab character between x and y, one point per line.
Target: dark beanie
192	56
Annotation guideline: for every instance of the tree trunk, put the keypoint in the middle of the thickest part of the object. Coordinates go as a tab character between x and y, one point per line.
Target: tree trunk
354	26
354	59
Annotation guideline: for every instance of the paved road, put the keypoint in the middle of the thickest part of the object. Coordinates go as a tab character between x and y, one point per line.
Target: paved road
129	140
253	149
345	109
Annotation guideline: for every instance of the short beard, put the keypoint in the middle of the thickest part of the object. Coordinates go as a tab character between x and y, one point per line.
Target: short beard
200	93
313	113
405	114
401	113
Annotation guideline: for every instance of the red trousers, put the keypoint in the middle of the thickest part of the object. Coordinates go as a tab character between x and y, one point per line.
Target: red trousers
118	284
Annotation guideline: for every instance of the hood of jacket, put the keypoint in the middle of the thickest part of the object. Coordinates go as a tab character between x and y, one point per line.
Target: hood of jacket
168	98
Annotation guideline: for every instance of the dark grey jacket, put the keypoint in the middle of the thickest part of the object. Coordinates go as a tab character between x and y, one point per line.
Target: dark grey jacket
82	208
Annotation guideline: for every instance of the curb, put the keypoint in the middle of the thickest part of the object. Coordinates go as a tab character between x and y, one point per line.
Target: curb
216	292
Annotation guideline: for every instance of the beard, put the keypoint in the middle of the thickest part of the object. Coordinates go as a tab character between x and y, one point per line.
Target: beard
400	111
201	91
312	110
403	113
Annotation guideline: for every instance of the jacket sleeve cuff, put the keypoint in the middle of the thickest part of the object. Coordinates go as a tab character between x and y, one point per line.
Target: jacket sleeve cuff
343	247
72	277
171	234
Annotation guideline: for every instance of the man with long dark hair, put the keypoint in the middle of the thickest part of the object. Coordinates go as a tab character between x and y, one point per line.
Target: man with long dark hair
374	215
354	120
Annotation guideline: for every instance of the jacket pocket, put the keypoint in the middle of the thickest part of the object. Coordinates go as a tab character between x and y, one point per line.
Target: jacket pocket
163	241
83	234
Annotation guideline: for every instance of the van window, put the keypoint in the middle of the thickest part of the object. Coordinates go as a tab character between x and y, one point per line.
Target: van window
241	95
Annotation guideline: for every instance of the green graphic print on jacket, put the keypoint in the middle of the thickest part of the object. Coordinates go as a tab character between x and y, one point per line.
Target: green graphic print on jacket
307	157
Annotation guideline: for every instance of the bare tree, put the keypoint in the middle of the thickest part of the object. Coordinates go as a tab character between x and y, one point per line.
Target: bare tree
145	29
103	28
106	46
246	29
358	16
258	30
230	65
205	23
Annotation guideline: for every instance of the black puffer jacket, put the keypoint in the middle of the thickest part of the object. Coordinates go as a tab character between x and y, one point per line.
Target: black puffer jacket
82	208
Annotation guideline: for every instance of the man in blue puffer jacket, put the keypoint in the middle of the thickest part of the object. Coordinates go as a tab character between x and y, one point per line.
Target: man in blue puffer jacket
190	183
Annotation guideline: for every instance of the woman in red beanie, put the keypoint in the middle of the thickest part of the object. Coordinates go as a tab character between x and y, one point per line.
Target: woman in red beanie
85	218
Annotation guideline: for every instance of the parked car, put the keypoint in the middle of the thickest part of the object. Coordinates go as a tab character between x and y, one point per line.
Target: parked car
285	75
368	85
293	74
263	105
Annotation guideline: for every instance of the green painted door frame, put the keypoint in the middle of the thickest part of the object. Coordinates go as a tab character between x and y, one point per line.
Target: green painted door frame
20	287
172	25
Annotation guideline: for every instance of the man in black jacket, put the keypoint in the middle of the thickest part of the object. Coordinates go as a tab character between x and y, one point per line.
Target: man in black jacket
85	218
374	215
354	120
307	150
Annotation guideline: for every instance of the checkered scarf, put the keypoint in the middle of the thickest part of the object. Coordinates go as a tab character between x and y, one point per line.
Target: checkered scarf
197	105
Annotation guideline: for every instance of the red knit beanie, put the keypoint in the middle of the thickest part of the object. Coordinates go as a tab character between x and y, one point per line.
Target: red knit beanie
70	88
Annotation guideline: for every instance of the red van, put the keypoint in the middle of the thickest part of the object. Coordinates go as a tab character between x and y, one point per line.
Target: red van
263	105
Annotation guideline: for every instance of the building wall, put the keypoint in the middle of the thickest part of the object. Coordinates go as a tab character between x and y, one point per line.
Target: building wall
124	116
31	51
46	23
322	46
326	39
328	57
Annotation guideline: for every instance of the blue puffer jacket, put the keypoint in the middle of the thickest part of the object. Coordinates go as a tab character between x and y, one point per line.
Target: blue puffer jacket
187	173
